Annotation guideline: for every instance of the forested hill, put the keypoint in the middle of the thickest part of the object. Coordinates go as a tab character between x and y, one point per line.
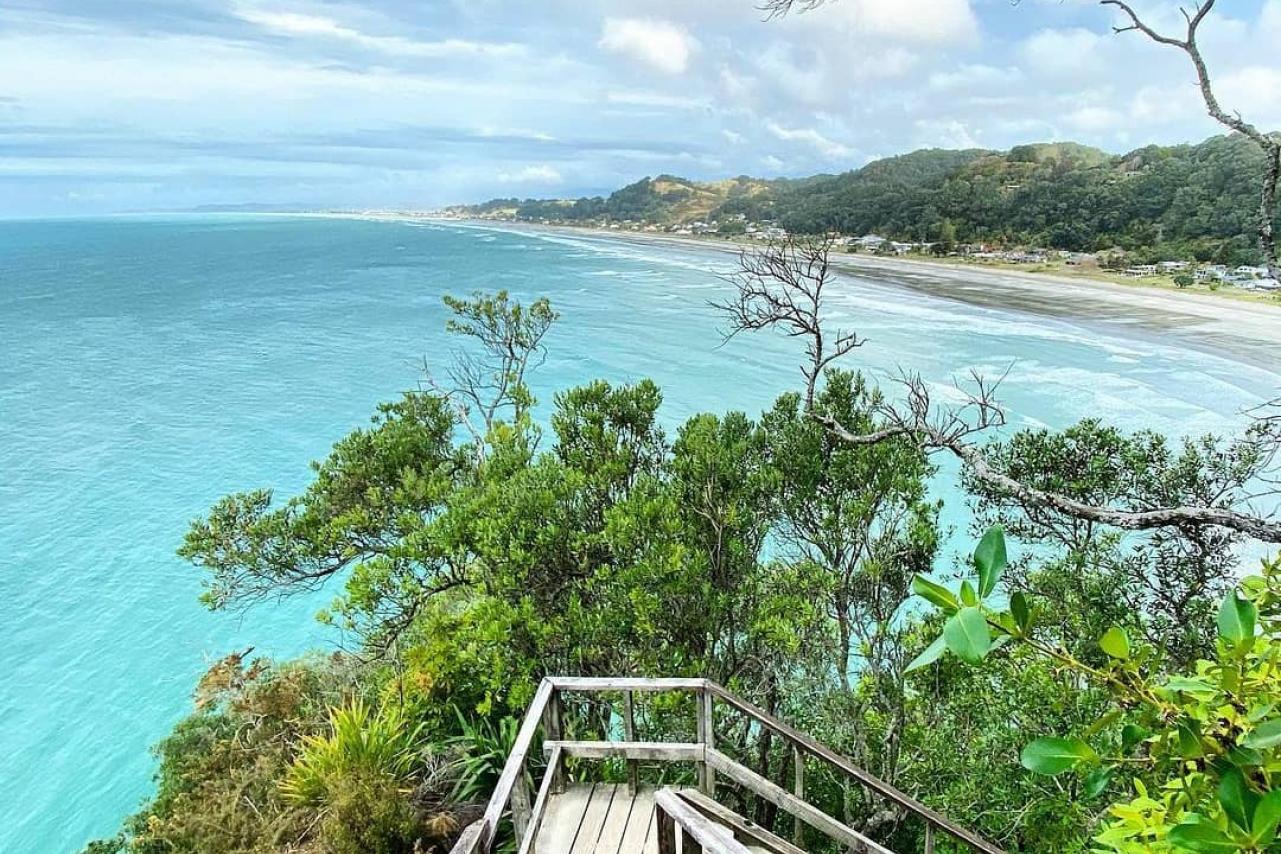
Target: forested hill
1188	199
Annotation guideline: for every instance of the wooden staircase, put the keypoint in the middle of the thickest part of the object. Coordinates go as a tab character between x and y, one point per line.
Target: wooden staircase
621	818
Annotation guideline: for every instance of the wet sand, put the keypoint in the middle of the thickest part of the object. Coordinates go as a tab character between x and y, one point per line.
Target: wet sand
1246	331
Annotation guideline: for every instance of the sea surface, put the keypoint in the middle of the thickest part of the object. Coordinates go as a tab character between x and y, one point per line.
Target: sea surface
150	365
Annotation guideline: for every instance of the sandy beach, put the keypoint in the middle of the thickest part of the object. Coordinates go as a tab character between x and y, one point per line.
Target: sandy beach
1247	331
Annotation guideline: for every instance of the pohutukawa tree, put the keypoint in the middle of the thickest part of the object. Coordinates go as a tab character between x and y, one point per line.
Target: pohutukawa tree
775	291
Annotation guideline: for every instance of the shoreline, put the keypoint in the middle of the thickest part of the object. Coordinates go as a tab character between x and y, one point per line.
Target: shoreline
1244	331
1247	331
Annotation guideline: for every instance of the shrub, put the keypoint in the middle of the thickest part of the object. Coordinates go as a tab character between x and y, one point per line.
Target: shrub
359	745
1208	741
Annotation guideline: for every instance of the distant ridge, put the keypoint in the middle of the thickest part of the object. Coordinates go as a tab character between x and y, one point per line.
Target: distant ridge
1188	200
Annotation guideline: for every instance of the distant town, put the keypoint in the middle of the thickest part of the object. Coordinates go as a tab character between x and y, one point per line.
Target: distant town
1181	273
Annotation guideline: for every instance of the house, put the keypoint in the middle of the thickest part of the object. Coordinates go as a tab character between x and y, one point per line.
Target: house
1173	266
870	241
1245	271
901	248
1140	271
1212	271
1267	285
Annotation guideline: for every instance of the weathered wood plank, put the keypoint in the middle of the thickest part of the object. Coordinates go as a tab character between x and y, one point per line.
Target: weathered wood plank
798	762
620	813
696	828
629	734
748	832
794	806
469	840
637	831
515	765
659	750
540	803
611	683
877	785
707	738
564	815
589	829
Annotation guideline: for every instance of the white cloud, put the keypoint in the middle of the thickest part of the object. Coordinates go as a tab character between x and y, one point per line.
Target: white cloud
661	45
733	137
973	77
810	136
1064	54
946	133
1270	23
655	99
928	21
1254	90
532	175
1094	119
313	26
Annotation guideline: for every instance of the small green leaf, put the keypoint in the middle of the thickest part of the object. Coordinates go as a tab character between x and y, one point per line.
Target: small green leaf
1020	611
1198	834
1258	713
966	635
1115	643
1237	618
1266	735
1266	816
1132	735
1189	686
1190	746
968	597
929	656
1245	757
989	559
935	593
1237	799
1052	756
1096	782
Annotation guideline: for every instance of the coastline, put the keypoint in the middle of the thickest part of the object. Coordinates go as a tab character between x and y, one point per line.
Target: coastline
1247	331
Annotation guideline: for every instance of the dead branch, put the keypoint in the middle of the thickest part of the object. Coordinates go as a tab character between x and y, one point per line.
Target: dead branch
949	428
782	286
1270	144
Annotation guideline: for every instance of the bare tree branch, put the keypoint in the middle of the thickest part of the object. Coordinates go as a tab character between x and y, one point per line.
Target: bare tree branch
1270	144
782	286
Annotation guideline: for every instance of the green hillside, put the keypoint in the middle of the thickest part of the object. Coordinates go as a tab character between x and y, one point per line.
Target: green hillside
1186	200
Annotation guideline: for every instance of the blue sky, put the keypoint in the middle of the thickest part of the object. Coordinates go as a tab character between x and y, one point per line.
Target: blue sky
113	105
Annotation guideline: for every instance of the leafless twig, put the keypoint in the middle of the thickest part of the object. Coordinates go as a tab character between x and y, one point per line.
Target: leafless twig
781	285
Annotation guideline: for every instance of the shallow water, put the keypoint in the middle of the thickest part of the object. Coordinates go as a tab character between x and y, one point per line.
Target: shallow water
150	365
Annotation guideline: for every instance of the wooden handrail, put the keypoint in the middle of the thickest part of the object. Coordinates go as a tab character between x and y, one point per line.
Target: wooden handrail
479	837
843	764
707	836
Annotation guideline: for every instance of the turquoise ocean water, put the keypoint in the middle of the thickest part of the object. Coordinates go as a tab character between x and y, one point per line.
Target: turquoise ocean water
150	365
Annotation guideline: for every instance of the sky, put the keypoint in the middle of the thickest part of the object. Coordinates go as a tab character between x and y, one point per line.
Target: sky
128	105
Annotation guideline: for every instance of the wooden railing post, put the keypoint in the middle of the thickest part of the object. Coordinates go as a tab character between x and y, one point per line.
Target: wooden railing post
707	738
798	773
521	807
629	731
929	838
552	732
666	828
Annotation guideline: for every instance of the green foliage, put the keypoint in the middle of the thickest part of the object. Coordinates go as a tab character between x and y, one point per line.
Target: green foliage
1205	740
475	552
360	744
1187	201
485	746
